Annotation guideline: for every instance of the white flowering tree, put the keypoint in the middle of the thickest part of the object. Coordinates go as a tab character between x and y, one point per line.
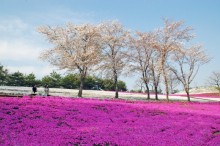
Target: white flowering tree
214	80
170	39
75	47
139	54
186	65
113	53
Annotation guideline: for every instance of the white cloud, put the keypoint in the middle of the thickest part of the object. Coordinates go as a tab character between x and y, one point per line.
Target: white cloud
13	26
15	41
18	50
23	56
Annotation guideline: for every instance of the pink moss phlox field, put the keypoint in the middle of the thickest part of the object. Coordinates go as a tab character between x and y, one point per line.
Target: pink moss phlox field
76	121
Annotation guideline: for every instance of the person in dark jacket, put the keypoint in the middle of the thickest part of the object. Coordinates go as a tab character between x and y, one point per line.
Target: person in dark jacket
34	89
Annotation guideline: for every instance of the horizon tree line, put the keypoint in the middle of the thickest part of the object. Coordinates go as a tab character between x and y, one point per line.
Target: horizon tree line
56	80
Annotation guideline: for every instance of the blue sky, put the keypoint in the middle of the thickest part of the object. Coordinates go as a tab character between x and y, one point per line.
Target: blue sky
20	44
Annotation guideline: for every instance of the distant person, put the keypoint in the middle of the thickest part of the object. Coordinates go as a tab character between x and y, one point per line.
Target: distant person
46	89
34	89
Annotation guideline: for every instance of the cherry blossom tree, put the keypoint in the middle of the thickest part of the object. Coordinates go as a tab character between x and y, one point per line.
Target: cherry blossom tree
170	39
75	47
140	54
186	65
214	79
114	38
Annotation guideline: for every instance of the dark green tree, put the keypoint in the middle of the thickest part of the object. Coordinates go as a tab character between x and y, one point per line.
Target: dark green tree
3	75
122	86
16	79
53	80
31	80
108	84
90	83
71	81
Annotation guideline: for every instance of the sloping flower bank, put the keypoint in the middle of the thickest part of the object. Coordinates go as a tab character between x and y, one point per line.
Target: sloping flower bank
74	121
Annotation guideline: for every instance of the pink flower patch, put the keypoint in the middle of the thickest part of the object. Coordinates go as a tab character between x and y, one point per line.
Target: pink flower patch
78	121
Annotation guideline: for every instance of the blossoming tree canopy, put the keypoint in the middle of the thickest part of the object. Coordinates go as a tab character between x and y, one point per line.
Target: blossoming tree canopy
76	48
170	39
188	62
140	54
114	38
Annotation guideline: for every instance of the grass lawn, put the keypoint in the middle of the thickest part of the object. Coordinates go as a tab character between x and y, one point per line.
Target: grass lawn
78	121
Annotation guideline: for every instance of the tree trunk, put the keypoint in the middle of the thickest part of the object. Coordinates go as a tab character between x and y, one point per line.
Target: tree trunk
218	88
148	91
116	86
82	78
166	84
167	91
156	92
116	91
187	93
163	60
